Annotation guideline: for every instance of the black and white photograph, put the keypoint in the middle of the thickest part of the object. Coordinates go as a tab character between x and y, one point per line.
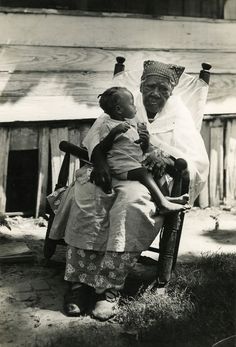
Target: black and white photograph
118	173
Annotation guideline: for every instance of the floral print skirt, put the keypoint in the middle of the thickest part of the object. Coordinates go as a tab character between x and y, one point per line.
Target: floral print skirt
101	270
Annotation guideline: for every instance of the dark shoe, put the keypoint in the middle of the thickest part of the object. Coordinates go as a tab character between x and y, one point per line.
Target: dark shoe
106	305
77	301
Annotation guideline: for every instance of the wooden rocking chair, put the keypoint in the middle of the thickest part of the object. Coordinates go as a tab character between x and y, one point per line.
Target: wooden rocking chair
170	233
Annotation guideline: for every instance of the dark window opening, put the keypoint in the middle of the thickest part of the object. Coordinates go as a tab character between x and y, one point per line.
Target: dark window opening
22	181
192	8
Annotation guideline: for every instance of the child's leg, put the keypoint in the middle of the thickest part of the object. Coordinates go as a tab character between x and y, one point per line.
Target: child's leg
183	199
165	206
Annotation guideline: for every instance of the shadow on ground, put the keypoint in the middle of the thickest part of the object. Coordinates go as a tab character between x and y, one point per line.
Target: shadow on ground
222	236
31	303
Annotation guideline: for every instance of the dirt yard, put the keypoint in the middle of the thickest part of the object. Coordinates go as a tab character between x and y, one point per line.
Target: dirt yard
31	298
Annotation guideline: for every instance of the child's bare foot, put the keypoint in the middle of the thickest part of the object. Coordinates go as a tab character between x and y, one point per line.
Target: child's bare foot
170	207
182	200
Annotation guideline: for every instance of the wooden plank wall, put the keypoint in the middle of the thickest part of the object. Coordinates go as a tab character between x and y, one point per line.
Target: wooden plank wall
53	66
230	162
192	8
230	9
43	163
219	134
59	83
204	195
4	145
46	139
216	164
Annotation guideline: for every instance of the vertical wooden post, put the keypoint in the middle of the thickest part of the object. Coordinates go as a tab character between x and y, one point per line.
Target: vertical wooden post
230	161
56	136
4	145
216	163
83	129
43	171
74	137
230	9
204	195
119	66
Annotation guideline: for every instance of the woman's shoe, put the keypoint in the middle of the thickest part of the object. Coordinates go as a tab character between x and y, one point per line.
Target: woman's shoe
77	300
106	305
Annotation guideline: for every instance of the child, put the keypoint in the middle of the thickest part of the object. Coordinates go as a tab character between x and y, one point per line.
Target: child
120	141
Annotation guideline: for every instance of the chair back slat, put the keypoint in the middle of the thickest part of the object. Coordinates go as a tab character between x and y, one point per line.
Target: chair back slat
119	66
205	72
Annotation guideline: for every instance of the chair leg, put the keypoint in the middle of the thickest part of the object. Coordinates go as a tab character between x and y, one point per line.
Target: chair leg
170	238
49	244
167	250
178	237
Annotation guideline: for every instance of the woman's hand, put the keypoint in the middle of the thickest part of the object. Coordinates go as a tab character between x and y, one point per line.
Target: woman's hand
157	162
144	137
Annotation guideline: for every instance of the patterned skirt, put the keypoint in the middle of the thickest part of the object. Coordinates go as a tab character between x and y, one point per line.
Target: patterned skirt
101	270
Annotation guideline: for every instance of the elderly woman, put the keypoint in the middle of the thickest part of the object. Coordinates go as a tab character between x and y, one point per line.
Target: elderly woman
106	233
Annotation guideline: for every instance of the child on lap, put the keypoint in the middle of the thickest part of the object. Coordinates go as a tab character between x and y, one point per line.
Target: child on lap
120	141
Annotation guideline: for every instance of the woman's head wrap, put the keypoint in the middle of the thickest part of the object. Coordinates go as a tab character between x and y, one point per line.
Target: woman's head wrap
157	68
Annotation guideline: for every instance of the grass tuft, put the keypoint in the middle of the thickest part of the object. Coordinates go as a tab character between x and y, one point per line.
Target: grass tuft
199	303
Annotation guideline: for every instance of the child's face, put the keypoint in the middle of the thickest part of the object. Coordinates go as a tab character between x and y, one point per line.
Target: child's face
126	105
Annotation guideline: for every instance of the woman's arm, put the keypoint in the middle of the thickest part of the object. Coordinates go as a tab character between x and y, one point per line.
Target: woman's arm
144	137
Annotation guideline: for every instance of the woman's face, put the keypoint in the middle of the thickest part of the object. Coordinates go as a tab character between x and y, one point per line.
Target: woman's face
156	91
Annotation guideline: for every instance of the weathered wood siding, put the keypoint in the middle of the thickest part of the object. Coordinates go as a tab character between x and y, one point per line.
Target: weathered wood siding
45	138
4	145
53	65
219	134
192	8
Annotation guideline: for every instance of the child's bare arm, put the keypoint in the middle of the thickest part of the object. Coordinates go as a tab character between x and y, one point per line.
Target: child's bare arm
101	174
106	144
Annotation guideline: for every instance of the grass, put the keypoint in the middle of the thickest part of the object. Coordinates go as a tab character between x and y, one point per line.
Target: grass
199	305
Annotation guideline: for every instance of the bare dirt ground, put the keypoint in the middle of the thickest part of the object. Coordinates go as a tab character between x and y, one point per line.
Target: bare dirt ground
31	312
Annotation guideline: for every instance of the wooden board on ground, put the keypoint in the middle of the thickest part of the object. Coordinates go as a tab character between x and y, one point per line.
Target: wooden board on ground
15	252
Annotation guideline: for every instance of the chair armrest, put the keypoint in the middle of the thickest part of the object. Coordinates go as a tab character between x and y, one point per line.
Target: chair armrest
74	150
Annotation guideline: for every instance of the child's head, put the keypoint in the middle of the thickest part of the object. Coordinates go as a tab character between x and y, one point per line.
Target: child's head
118	103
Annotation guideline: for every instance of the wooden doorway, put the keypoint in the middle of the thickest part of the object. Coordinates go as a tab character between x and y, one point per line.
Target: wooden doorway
22	181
